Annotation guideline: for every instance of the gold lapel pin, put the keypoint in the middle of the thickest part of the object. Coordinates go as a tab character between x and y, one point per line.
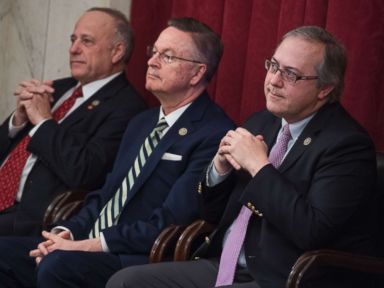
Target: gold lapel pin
307	141
93	104
183	131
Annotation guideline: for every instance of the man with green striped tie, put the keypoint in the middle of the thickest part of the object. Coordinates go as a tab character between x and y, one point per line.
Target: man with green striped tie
154	180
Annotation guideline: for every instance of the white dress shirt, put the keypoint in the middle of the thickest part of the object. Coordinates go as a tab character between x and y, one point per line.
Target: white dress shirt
88	90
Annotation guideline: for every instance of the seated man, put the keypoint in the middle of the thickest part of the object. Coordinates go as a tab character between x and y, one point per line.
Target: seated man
44	150
154	179
298	176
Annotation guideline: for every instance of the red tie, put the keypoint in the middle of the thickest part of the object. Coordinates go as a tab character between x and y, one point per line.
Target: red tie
11	171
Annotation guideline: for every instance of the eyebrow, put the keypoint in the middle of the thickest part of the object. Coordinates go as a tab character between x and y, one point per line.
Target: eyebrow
287	67
165	50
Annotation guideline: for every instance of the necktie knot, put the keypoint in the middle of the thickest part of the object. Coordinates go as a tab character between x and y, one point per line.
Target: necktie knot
161	125
78	92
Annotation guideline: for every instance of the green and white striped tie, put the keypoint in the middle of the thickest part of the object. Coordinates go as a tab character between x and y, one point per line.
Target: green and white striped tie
111	211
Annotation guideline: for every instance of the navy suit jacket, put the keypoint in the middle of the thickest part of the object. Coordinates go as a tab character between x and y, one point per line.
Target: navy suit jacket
164	192
322	196
74	154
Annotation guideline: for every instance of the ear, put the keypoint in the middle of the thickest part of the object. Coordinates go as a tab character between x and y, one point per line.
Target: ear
325	91
117	52
198	74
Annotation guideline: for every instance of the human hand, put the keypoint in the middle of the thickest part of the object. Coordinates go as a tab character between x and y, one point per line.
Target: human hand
62	241
220	161
43	248
25	93
245	151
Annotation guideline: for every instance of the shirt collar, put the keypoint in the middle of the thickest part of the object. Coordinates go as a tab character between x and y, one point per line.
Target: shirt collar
91	88
172	117
297	127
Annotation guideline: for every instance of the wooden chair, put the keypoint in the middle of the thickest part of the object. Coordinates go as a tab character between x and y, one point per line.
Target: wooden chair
199	231
63	206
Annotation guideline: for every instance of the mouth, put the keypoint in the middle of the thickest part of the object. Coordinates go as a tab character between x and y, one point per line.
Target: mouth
273	92
74	62
152	76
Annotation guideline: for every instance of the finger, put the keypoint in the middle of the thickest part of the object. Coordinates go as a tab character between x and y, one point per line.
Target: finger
243	131
259	137
48	82
29	83
35	253
232	161
64	234
43	248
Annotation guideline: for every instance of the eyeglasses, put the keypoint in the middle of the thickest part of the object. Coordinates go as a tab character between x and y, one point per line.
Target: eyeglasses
166	58
286	75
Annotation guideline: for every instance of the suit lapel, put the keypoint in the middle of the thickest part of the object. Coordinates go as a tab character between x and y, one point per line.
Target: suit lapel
308	137
96	100
182	128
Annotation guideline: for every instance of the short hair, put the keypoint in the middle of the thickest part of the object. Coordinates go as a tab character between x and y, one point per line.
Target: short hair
124	31
207	42
331	70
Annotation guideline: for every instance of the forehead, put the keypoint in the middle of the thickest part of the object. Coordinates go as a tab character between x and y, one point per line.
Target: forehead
174	39
94	23
299	53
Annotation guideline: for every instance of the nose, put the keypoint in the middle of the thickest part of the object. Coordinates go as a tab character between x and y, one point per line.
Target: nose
74	47
154	60
275	78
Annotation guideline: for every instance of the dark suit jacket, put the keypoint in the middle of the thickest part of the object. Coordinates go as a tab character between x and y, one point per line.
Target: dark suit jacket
320	197
163	194
75	154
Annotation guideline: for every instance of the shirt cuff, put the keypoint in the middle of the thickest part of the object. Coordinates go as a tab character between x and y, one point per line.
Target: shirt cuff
58	229
104	245
13	130
213	177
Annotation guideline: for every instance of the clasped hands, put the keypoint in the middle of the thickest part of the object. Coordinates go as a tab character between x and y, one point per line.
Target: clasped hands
62	241
240	149
33	102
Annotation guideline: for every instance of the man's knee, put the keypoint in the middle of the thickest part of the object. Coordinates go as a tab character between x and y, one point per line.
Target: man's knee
128	277
53	265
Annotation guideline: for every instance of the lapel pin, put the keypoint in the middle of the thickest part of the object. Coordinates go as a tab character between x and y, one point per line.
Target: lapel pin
183	131
93	104
307	141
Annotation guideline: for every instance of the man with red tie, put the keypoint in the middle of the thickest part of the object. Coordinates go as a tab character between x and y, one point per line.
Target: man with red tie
64	134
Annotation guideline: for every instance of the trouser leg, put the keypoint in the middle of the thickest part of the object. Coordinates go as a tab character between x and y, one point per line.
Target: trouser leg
189	274
76	269
17	269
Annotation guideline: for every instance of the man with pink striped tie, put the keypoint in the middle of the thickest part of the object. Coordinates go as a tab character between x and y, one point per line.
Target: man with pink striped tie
297	176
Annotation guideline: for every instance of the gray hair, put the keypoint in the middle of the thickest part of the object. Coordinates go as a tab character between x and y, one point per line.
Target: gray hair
124	31
207	42
332	69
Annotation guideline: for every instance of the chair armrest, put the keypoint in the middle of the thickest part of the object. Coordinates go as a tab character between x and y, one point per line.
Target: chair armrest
60	204
194	233
318	258
164	243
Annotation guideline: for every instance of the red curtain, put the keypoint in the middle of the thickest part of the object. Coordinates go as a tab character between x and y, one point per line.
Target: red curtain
250	30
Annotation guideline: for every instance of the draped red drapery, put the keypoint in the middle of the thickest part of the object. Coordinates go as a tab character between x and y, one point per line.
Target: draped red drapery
250	30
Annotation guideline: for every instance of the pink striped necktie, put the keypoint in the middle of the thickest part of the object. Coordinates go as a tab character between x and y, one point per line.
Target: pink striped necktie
232	246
